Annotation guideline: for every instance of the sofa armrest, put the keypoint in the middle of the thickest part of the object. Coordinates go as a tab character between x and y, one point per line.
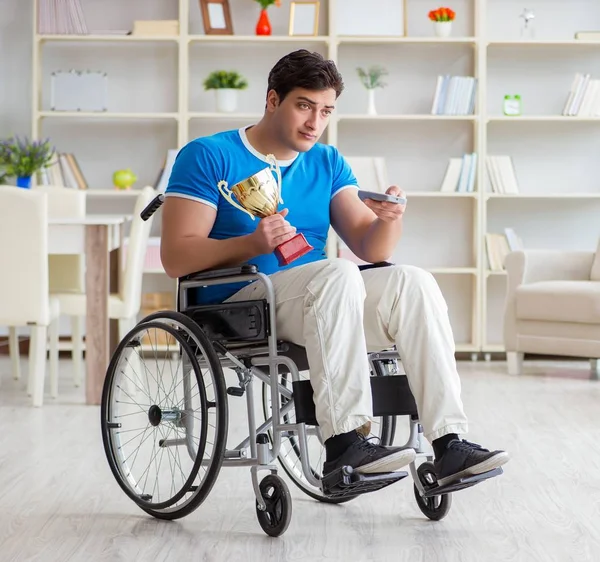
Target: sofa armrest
531	266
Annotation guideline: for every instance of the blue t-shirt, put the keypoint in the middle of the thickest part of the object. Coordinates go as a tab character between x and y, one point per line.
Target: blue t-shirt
309	182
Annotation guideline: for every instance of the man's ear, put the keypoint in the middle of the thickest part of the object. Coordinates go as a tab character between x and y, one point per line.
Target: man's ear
272	100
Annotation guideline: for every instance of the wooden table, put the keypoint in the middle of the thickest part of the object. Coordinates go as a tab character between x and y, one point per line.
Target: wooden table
99	238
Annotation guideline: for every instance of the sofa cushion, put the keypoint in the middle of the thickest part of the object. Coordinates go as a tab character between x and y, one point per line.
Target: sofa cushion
559	301
595	273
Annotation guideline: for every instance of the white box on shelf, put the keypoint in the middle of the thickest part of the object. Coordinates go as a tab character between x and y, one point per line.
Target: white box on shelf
75	90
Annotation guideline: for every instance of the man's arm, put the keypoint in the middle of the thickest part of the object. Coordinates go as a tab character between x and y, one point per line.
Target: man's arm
371	229
186	248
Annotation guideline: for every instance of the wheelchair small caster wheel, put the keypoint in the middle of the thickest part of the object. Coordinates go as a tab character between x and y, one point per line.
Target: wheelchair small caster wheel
276	518
435	506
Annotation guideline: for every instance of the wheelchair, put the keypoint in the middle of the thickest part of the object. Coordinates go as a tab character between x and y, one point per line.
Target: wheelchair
165	425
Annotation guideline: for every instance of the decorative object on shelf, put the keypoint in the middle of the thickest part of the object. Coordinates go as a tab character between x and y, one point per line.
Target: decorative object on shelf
155	28
442	19
216	16
376	18
263	25
304	18
21	158
512	105
124	179
527	29
371	79
75	90
226	85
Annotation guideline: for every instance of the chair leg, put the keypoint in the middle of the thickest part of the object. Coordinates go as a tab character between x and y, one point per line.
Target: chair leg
37	364
53	336
77	327
514	360
13	349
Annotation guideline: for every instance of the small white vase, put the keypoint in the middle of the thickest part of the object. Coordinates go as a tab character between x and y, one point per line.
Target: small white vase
442	28
371	110
226	100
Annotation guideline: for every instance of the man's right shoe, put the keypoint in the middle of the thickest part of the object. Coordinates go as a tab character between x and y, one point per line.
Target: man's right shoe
367	458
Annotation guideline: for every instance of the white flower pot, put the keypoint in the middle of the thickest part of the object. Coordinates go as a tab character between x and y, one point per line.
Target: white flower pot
371	105
442	28
226	99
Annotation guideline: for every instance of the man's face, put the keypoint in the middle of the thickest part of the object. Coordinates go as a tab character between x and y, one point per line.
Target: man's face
302	116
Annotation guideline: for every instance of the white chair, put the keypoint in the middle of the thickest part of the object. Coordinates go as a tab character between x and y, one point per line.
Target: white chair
24	296
66	273
125	305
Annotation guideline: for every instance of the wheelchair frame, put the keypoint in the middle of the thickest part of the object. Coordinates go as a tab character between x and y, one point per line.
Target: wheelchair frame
250	345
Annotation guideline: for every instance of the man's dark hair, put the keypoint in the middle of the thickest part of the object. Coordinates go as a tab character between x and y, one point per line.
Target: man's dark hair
303	69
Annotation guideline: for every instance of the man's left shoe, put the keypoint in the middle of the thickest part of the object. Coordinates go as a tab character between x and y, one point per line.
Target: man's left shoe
462	459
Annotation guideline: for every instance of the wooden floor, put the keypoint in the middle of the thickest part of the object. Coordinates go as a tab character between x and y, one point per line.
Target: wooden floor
60	502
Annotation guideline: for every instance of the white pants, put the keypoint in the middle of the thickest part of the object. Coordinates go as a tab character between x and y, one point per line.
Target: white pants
338	313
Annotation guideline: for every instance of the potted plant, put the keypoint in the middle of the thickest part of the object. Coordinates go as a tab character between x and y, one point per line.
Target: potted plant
263	26
23	158
371	79
442	19
226	85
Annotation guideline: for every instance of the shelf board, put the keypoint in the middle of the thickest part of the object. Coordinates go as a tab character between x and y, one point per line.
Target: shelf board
540	42
489	272
375	39
452	270
106	38
546	118
257	39
104	115
224	116
404	117
542	195
102	192
446	194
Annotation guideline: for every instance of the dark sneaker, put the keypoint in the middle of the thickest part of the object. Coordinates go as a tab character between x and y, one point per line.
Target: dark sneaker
366	457
462	459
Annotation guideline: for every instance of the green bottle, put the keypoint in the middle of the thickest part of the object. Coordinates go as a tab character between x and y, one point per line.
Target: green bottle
512	105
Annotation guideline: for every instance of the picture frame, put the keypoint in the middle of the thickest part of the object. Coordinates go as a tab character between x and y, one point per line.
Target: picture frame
216	15
304	18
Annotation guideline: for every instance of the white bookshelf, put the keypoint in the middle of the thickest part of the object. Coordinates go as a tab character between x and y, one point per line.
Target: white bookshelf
157	102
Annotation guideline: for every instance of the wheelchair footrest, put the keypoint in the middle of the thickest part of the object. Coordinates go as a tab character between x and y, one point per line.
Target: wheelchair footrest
462	483
347	482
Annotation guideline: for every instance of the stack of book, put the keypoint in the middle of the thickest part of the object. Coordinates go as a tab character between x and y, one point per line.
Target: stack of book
460	174
583	99
62	170
454	95
61	18
501	174
498	246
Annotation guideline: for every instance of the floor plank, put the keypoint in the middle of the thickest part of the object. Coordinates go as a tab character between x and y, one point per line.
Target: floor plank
60	502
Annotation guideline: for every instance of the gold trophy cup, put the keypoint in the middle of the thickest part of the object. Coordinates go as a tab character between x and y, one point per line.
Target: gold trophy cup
259	196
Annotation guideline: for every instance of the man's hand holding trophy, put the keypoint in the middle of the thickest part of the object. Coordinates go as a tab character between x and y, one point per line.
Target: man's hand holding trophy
259	196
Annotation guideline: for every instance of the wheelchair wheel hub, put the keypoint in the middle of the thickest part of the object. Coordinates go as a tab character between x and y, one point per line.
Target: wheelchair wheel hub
156	415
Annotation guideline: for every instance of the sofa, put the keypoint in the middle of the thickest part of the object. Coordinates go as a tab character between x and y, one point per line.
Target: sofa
552	306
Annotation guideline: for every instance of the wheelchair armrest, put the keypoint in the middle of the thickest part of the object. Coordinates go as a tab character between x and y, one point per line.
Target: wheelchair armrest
376	264
247	269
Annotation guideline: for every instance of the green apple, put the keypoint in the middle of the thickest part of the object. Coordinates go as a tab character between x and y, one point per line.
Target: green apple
124	179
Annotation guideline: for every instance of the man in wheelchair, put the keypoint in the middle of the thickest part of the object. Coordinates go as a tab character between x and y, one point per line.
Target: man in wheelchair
336	311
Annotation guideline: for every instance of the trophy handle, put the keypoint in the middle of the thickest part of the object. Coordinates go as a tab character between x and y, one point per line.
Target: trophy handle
274	166
225	192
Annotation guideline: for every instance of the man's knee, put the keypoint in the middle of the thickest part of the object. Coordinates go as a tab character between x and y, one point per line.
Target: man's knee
417	280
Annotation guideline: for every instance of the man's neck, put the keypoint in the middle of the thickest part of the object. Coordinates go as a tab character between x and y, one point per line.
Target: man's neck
262	139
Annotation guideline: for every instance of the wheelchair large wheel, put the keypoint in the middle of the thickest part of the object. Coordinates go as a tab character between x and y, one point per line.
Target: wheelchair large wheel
164	415
383	428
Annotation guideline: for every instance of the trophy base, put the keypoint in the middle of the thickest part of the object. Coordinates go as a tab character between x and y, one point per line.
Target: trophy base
293	249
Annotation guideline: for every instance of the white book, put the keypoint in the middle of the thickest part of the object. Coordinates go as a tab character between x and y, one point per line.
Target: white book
572	91
450	181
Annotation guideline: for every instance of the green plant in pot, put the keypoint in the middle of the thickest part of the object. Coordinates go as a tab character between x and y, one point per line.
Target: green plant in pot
226	85
371	79
21	158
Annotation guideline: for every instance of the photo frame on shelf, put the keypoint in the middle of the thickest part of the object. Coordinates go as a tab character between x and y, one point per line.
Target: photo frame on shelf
304	18
386	18
216	16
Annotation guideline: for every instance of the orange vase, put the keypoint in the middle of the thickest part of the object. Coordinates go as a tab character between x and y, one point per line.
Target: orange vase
263	26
